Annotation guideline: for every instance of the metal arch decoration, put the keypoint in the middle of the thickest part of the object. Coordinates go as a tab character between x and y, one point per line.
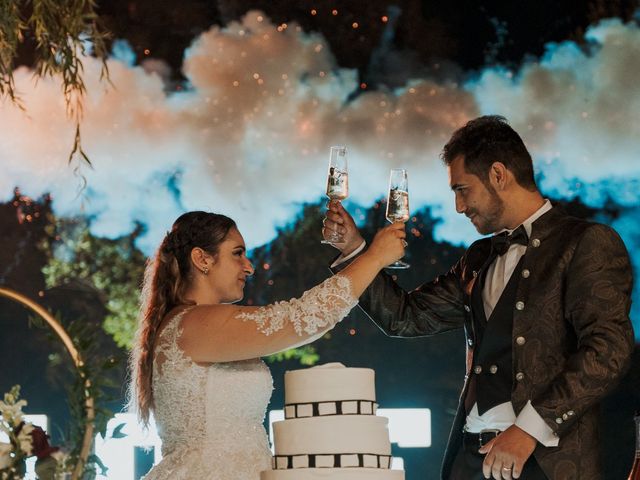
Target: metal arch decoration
89	402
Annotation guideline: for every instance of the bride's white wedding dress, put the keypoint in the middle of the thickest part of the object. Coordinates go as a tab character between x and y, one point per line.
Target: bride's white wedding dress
210	417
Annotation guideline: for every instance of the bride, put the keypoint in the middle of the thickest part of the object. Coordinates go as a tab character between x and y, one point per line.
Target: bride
196	361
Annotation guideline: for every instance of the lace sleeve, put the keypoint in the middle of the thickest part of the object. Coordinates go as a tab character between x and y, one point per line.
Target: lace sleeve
317	309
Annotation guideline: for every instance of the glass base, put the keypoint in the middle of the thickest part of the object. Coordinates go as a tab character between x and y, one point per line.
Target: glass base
398	265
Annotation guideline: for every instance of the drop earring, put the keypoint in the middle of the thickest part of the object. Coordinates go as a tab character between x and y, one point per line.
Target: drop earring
205	270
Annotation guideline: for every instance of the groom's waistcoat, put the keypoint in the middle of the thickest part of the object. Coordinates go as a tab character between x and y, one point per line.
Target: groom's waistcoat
492	357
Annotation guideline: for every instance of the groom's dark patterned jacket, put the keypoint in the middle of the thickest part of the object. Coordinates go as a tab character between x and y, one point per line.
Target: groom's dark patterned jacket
572	338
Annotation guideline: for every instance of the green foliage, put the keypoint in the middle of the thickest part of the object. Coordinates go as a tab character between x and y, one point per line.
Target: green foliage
92	380
306	355
12	29
113	267
96	378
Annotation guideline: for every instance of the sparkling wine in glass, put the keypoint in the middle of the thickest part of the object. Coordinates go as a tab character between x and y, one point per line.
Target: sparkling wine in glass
337	184
398	204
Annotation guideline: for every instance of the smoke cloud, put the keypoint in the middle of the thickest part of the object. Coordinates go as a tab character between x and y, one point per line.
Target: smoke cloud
250	135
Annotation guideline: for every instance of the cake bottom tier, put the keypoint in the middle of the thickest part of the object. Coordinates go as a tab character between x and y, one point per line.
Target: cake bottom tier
333	474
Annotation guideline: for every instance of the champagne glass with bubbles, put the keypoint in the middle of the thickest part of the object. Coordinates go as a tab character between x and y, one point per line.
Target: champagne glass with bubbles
337	184
398	203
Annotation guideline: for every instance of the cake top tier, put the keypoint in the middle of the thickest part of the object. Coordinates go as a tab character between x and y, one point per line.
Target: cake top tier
328	383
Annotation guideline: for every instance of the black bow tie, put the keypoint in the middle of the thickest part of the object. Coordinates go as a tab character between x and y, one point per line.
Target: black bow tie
500	243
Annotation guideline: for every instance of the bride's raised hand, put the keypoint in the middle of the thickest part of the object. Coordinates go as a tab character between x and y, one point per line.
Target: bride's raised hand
388	245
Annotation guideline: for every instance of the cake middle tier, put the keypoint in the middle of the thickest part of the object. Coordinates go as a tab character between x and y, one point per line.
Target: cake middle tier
332	434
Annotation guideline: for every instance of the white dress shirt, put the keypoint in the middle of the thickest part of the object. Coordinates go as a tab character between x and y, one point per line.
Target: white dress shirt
503	416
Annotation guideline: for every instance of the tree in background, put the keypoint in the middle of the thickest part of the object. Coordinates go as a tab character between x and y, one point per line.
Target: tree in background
112	268
55	35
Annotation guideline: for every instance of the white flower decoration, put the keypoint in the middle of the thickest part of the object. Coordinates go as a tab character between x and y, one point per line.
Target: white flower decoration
5	455
25	439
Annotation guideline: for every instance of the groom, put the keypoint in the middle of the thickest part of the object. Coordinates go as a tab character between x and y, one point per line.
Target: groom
544	303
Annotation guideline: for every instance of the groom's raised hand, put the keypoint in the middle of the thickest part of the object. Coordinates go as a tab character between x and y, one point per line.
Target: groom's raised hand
337	218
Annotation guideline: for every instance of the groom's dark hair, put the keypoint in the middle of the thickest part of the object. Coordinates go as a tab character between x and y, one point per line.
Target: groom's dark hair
486	140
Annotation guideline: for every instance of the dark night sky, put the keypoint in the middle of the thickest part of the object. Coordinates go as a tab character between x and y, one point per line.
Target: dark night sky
428	35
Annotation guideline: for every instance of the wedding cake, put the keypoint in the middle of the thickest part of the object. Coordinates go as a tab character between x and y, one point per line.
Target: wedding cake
331	430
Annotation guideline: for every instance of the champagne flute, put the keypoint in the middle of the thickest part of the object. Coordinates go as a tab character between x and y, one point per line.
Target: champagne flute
398	204
337	184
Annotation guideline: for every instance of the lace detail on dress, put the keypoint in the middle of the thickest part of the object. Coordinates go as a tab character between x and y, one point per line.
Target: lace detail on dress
209	417
175	377
320	307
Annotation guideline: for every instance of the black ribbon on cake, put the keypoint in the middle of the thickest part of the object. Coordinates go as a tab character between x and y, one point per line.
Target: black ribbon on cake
331	460
323	409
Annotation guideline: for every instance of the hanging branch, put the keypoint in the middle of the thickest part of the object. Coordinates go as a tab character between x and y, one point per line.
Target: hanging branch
64	31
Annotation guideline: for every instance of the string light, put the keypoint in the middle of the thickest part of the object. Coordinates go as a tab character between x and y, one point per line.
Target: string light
334	12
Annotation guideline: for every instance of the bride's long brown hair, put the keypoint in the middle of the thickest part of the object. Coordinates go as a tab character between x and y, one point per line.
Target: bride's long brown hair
167	276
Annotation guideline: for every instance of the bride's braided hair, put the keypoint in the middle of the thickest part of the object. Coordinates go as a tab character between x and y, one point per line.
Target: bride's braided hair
166	279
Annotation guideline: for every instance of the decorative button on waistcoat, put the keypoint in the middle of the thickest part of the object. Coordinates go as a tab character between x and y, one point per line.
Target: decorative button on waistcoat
477	369
493	368
520	306
558	420
525	273
520	340
467	308
565	416
535	243
519	376
571	413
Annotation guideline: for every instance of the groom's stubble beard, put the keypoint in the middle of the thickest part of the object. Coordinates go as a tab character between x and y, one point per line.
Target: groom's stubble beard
489	221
